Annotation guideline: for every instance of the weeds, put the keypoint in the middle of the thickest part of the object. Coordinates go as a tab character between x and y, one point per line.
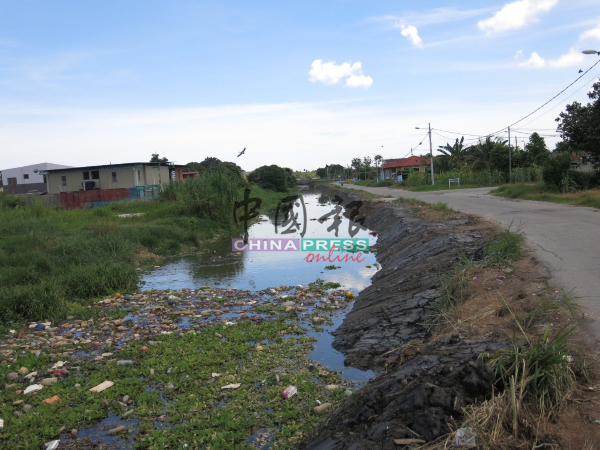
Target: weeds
504	249
539	192
540	370
51	257
453	286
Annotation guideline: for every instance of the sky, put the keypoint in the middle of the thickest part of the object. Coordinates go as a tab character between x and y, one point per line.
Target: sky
299	84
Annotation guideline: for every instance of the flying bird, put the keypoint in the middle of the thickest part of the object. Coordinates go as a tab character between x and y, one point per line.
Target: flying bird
580	71
242	152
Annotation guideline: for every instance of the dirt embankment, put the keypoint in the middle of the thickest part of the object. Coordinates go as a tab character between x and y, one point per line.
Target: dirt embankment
417	392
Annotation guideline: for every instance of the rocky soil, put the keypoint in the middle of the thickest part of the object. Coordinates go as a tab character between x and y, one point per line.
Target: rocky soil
418	392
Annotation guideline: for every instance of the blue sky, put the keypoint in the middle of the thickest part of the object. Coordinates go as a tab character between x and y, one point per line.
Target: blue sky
299	84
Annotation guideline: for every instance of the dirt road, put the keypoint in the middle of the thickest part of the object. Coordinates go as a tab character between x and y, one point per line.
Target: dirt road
565	238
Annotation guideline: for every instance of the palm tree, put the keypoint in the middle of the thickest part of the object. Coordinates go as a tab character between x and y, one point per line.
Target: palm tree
456	152
481	153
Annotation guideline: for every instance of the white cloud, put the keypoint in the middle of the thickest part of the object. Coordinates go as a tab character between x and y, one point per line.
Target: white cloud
411	33
573	58
359	81
518	54
535	61
515	15
331	73
593	33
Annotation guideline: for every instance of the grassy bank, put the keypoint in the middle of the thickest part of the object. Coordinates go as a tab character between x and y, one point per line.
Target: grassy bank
536	192
51	258
436	187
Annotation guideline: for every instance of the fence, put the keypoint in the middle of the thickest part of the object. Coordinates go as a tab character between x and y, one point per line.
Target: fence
102	197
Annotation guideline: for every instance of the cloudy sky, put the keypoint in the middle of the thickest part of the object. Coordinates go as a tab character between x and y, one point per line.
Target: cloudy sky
299	84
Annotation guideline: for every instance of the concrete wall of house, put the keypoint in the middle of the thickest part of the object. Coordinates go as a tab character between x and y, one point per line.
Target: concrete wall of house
125	178
26	179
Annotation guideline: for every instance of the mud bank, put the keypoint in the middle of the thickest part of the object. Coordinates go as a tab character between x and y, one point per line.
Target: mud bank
417	393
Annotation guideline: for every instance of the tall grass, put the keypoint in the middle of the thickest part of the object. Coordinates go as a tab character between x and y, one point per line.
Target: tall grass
538	192
50	258
479	178
210	196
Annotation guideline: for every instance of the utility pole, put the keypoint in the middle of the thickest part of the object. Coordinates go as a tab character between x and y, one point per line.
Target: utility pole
430	156
509	159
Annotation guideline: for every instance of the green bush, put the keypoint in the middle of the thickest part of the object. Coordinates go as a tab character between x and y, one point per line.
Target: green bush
555	170
273	178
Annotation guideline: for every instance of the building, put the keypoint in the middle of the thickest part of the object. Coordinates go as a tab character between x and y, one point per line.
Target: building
394	170
90	186
189	175
27	179
111	176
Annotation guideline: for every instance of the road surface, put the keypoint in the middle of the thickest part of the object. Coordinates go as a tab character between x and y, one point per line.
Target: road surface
565	238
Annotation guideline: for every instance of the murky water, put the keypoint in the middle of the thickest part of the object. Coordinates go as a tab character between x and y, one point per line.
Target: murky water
261	270
219	266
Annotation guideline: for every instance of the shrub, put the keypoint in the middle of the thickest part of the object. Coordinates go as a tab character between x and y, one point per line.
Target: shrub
555	170
273	178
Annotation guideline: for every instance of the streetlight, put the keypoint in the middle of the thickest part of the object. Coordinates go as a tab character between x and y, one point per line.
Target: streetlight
430	153
590	52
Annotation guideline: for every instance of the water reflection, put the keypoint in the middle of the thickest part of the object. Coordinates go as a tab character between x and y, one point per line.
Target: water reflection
260	270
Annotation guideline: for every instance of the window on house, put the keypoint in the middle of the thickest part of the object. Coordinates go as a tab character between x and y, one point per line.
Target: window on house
44	178
114	177
64	180
26	176
12	181
86	175
95	175
139	175
416	169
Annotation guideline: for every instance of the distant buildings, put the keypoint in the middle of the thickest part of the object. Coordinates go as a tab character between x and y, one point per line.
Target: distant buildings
27	179
394	168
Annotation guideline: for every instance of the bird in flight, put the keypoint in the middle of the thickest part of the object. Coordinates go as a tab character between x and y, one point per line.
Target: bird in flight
242	152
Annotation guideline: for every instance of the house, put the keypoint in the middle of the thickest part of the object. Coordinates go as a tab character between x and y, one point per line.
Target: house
394	169
189	175
27	179
582	162
111	176
88	186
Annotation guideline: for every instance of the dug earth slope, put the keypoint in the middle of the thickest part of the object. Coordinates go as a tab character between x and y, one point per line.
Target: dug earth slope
425	378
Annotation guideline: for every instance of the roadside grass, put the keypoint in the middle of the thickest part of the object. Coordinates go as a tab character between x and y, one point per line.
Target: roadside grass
436	187
375	183
536	192
196	412
50	256
500	251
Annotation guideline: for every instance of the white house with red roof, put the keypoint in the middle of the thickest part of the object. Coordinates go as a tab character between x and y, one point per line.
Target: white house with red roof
393	170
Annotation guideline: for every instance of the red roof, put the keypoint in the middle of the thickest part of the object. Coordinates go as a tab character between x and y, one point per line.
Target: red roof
189	173
407	162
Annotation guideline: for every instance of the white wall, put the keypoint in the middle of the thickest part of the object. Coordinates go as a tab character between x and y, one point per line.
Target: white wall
20	172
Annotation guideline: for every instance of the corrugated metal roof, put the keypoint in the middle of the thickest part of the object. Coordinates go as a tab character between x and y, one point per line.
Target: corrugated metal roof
407	162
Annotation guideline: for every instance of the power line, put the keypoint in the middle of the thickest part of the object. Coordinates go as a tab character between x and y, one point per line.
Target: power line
563	100
537	109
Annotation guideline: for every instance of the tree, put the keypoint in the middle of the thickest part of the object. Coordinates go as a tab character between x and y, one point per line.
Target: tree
456	152
580	125
367	163
378	160
356	163
157	159
536	147
481	152
322	172
273	178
